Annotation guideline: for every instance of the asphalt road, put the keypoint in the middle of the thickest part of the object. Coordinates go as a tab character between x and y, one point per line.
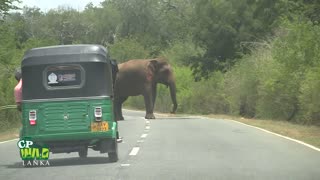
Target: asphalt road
186	148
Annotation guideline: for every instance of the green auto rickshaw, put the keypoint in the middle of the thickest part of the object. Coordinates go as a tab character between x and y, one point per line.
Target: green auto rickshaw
67	99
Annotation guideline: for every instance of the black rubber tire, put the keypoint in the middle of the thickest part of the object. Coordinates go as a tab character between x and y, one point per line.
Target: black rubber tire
83	153
113	156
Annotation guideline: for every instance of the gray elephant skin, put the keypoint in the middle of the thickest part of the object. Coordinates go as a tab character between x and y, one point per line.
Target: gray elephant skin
140	77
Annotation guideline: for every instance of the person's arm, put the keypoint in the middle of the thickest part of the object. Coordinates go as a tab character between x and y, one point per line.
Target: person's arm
18	94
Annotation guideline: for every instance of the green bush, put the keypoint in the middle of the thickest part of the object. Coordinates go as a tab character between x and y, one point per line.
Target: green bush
128	48
241	86
310	97
136	102
272	81
277	94
8	117
293	53
8	63
208	96
180	53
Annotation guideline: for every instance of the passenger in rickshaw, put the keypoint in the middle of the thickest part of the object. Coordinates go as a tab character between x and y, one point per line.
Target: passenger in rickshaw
18	89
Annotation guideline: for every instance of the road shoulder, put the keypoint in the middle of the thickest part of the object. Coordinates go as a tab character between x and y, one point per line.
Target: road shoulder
309	134
9	134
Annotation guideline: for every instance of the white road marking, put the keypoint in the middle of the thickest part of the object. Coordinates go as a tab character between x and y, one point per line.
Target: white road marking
125	165
2	142
140	141
144	135
147	127
134	151
147	122
279	135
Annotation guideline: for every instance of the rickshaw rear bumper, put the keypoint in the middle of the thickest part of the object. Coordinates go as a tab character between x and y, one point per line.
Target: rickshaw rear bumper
74	141
76	146
72	136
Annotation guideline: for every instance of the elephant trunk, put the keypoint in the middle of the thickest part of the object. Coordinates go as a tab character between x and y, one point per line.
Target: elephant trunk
172	86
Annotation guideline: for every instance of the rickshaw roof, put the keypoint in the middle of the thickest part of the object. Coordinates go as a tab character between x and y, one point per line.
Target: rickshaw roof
38	56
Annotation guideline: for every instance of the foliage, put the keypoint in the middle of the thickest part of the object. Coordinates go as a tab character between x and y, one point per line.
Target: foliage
278	79
181	53
209	96
7	46
7	64
128	48
224	29
100	25
242	82
6	6
309	98
254	58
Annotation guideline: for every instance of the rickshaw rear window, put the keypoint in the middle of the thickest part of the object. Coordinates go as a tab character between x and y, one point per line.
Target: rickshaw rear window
64	77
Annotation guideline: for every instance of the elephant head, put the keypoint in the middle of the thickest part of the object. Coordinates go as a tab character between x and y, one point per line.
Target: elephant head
163	73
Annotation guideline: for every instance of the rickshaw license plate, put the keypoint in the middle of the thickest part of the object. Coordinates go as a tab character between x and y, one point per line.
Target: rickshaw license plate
99	126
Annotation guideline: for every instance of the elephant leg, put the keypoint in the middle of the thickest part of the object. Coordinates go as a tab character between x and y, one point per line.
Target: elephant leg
154	95
118	107
121	101
149	104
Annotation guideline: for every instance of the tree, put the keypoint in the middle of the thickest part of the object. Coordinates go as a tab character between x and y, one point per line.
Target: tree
64	24
6	6
311	10
102	24
26	24
226	27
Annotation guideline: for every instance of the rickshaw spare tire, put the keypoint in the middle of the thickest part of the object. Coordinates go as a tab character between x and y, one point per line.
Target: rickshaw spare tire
83	153
113	155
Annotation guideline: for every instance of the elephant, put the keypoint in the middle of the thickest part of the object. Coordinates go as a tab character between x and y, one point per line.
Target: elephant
140	77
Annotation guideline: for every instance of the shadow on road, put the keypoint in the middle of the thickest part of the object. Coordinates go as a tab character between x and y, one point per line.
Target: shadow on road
171	118
66	162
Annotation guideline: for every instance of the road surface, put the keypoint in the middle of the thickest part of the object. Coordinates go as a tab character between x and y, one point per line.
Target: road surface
186	148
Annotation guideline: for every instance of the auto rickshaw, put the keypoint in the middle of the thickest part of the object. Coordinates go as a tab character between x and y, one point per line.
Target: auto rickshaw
67	99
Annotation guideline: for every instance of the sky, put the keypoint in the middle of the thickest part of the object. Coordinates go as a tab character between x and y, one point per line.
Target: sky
46	5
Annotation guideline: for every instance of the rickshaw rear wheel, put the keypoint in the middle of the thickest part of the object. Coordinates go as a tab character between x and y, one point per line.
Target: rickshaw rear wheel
83	153
113	156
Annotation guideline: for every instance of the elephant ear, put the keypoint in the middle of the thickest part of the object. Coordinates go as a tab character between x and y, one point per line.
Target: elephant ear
154	65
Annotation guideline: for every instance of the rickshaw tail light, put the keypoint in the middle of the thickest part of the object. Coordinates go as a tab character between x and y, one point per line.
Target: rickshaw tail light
98	113
33	117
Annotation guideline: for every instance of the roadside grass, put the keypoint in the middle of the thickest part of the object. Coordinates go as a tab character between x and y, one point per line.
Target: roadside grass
10	133
307	133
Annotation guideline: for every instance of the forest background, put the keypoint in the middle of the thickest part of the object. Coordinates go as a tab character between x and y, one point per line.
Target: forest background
249	58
